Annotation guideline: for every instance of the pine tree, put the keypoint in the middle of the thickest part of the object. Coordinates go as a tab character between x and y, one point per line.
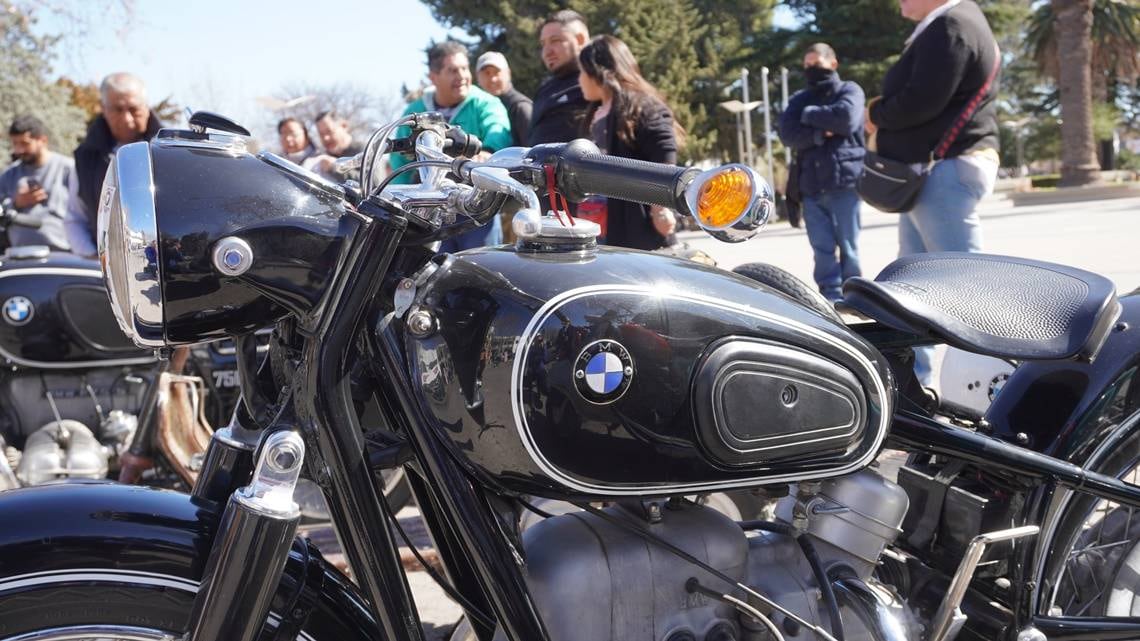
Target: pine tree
25	88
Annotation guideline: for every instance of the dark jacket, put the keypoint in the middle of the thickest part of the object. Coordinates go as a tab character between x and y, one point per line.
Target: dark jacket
826	163
519	108
629	224
927	89
558	110
93	157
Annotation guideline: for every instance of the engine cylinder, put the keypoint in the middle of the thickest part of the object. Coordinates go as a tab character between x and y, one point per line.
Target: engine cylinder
632	590
858	515
62	449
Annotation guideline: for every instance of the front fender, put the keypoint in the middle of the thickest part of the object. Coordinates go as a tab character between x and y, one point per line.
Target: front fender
104	529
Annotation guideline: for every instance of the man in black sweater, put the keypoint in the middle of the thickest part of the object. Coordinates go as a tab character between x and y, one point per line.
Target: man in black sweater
939	97
558	104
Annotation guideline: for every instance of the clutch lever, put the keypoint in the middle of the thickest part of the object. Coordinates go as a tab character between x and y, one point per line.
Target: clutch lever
497	179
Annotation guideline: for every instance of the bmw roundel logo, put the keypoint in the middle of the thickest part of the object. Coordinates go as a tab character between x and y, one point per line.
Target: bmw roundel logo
18	310
603	371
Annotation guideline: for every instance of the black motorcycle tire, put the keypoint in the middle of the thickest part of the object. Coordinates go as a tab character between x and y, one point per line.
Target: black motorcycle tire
102	601
1103	567
790	286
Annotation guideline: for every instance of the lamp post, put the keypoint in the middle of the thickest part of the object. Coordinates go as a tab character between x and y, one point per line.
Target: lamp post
742	111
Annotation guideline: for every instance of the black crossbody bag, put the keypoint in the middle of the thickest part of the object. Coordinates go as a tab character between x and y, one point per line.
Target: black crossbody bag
892	186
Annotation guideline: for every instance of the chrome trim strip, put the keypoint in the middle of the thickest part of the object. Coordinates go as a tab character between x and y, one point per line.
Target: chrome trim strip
34	579
557	302
64	271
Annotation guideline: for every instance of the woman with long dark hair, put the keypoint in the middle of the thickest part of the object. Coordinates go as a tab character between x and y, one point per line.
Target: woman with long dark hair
629	118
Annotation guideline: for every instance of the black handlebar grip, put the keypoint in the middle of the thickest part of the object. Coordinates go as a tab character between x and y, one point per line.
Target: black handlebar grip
458	143
581	170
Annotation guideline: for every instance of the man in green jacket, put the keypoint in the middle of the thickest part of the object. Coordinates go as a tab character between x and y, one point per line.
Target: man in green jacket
476	111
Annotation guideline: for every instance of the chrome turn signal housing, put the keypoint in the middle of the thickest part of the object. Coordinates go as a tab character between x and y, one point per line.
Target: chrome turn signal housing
732	202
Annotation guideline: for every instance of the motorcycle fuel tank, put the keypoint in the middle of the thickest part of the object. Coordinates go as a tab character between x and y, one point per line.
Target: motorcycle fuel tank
608	373
56	315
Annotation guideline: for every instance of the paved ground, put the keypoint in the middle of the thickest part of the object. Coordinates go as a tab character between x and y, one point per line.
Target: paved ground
1101	236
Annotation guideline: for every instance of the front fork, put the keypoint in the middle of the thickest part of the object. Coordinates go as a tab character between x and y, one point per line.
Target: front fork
251	546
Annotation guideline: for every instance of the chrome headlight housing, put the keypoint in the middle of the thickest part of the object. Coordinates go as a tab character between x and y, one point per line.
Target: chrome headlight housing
127	235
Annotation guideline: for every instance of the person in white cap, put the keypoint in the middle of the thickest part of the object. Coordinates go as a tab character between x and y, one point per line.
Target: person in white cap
494	76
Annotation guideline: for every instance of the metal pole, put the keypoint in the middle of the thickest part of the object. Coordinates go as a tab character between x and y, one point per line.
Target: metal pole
749	160
767	124
740	139
784	107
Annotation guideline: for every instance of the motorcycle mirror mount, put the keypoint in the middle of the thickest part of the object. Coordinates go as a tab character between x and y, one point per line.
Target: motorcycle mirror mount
732	202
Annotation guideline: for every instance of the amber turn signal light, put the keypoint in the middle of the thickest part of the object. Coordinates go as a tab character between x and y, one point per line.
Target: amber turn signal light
724	197
731	202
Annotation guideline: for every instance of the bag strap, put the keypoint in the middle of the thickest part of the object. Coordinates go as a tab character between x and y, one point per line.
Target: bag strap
968	111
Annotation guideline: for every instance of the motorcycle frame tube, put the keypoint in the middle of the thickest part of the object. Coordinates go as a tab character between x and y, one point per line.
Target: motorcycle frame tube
914	432
1046	506
464	508
1088	628
460	571
324	407
919	433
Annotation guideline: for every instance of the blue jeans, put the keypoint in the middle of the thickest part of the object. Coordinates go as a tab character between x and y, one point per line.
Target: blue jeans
944	218
489	234
832	222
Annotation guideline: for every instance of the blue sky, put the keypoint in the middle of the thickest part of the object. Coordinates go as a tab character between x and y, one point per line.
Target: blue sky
221	55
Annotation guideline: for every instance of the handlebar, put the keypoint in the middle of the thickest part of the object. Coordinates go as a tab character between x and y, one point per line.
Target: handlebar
581	170
730	202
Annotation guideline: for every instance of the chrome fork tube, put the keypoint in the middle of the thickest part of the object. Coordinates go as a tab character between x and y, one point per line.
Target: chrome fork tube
251	547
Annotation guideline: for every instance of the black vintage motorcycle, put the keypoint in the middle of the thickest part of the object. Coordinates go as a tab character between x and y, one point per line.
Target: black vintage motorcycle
620	381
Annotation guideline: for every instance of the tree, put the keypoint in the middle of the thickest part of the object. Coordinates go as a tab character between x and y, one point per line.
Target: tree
25	87
1115	57
690	49
304	101
1073	26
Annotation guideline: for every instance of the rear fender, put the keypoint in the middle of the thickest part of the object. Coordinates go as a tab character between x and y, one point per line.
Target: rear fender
101	531
1066	409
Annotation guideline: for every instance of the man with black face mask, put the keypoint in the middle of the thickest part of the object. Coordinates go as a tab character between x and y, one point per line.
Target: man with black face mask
823	124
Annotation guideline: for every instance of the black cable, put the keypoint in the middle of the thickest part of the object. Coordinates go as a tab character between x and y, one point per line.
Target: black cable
475	613
408	167
545	515
814	561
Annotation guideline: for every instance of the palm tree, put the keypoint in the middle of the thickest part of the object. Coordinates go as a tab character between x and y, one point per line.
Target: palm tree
1101	41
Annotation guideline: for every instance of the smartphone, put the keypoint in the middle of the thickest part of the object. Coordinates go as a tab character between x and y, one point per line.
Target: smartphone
33	184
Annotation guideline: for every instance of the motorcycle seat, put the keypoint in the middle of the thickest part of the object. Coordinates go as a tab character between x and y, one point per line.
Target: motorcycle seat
1001	306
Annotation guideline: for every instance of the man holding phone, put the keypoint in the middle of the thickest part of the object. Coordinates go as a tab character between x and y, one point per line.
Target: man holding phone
36	184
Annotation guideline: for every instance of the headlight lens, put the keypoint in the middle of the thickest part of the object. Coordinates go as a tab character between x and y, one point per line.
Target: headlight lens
127	234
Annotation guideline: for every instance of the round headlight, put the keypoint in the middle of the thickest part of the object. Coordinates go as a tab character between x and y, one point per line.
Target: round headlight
127	234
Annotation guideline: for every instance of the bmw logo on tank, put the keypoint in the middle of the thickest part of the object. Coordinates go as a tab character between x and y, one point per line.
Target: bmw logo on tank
603	371
18	310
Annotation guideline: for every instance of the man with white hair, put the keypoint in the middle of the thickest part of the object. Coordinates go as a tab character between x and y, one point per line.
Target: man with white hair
125	118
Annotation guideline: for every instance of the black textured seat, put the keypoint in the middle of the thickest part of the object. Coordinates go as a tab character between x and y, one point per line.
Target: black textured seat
996	305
